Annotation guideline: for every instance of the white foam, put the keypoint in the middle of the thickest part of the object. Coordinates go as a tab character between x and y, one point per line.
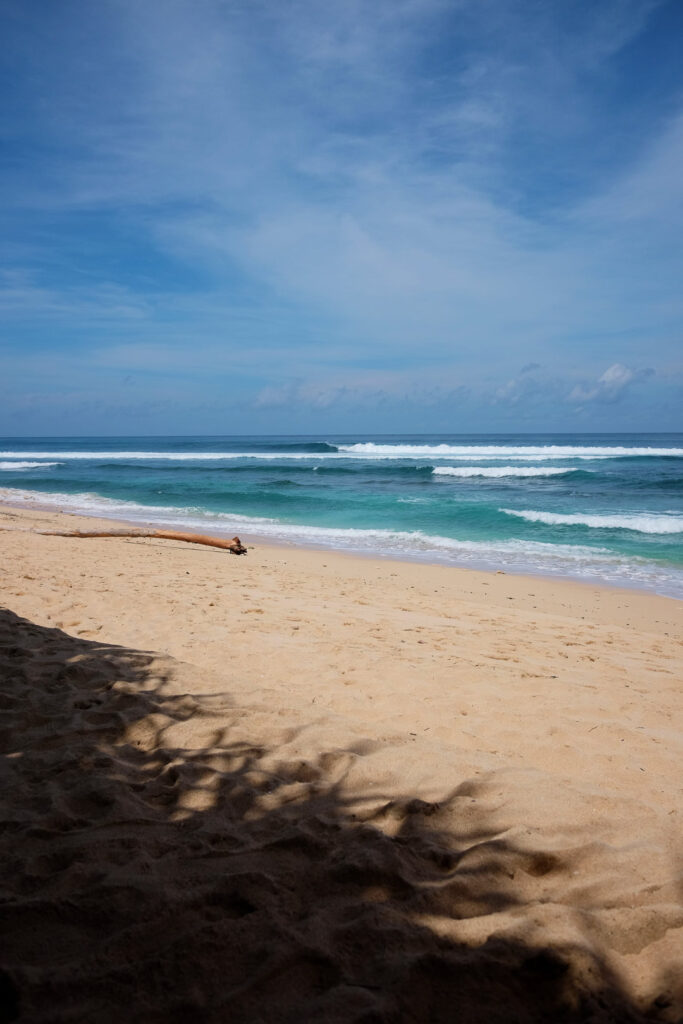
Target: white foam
508	451
9	466
367	452
578	561
202	456
499	471
643	522
93	504
168	456
396	541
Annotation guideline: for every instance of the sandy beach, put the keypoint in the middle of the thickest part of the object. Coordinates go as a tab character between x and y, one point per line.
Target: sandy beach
302	786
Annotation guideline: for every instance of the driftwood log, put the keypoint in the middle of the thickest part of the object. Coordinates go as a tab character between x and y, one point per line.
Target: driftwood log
234	546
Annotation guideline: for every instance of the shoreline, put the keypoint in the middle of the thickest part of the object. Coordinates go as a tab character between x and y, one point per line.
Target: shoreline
266	541
551	592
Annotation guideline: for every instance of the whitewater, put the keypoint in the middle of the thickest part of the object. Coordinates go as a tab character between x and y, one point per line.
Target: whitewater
606	508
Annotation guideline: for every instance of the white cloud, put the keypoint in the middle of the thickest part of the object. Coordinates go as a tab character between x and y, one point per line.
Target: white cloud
610	386
344	201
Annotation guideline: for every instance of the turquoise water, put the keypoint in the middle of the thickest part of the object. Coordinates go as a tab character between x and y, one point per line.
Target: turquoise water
599	507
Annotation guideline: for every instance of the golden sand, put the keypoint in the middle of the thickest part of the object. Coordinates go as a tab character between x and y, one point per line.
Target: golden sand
301	786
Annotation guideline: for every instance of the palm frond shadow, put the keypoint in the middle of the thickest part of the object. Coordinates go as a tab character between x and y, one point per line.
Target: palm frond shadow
150	880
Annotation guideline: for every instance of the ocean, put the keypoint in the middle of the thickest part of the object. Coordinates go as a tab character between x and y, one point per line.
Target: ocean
598	507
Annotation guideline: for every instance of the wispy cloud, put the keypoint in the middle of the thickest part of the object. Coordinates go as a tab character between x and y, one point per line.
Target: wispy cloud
610	385
335	202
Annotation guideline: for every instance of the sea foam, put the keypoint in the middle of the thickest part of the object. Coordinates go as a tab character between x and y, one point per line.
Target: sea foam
366	451
642	522
501	471
515	555
426	451
9	466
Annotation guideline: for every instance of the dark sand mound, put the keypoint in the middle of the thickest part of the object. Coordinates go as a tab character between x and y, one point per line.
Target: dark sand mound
160	864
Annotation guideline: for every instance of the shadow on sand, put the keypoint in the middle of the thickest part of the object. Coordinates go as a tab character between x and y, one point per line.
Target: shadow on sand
146	881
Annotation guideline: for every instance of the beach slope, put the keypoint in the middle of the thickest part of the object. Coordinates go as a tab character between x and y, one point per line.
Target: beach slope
302	786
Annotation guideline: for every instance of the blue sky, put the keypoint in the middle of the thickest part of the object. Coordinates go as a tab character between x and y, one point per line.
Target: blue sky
237	216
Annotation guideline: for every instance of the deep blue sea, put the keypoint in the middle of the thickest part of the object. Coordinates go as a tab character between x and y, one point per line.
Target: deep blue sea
605	507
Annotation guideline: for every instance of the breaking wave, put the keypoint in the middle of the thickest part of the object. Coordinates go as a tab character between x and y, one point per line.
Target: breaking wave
642	522
501	471
551	451
514	555
368	451
9	466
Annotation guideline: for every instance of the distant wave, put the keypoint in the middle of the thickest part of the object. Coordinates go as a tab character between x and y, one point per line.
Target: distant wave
310	447
426	451
273	455
172	456
498	471
9	466
358	467
642	522
369	453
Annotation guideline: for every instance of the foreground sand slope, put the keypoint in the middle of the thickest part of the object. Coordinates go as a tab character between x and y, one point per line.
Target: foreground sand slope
367	771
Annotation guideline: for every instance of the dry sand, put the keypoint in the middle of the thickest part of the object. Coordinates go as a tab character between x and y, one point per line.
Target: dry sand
337	789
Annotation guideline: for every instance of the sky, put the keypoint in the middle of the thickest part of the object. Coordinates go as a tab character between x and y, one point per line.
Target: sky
297	216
